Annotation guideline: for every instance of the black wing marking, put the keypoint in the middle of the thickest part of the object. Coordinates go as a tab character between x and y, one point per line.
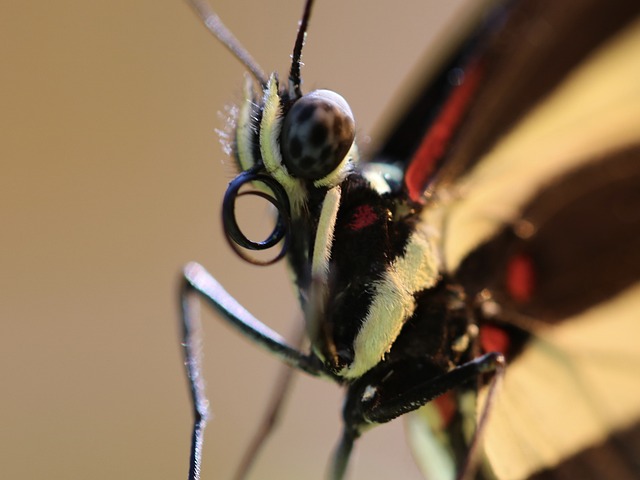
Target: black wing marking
542	228
617	458
579	238
519	54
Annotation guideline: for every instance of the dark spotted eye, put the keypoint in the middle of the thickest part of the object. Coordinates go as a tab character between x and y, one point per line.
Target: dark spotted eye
316	135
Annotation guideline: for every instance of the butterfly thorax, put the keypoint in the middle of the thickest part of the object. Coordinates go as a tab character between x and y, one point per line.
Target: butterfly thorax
357	245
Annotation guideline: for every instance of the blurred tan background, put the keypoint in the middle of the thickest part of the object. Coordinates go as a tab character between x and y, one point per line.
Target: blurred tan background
111	179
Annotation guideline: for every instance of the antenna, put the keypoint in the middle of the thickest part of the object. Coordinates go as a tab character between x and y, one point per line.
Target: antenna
224	35
294	74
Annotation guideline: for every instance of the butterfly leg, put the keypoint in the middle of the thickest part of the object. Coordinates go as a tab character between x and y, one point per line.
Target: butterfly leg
369	402
272	413
199	282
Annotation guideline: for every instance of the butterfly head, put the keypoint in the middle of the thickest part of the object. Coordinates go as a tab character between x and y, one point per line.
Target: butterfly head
292	149
337	222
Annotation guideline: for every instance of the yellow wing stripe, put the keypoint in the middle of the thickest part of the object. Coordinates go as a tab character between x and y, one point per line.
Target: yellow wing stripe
572	386
596	110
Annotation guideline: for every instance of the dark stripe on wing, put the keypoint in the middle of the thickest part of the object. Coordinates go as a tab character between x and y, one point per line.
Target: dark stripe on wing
541	42
617	458
523	52
580	239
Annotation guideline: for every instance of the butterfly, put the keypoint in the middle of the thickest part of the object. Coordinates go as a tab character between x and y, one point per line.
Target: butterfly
479	273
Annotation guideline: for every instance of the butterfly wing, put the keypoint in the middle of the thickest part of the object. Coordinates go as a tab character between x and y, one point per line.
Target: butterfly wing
539	175
515	56
567	274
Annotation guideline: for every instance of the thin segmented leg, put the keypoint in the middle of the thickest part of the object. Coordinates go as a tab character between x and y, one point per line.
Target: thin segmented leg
272	413
361	410
198	282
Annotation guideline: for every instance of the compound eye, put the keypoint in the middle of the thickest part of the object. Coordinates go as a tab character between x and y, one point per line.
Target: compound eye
317	133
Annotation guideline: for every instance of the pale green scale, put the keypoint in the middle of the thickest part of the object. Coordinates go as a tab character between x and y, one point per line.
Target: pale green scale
270	148
324	235
244	133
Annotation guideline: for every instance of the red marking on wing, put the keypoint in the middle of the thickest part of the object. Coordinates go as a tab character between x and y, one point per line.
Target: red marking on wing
364	216
494	339
447	406
438	137
521	278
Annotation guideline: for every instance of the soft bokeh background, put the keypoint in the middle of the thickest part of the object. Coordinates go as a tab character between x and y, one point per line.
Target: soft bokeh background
111	179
